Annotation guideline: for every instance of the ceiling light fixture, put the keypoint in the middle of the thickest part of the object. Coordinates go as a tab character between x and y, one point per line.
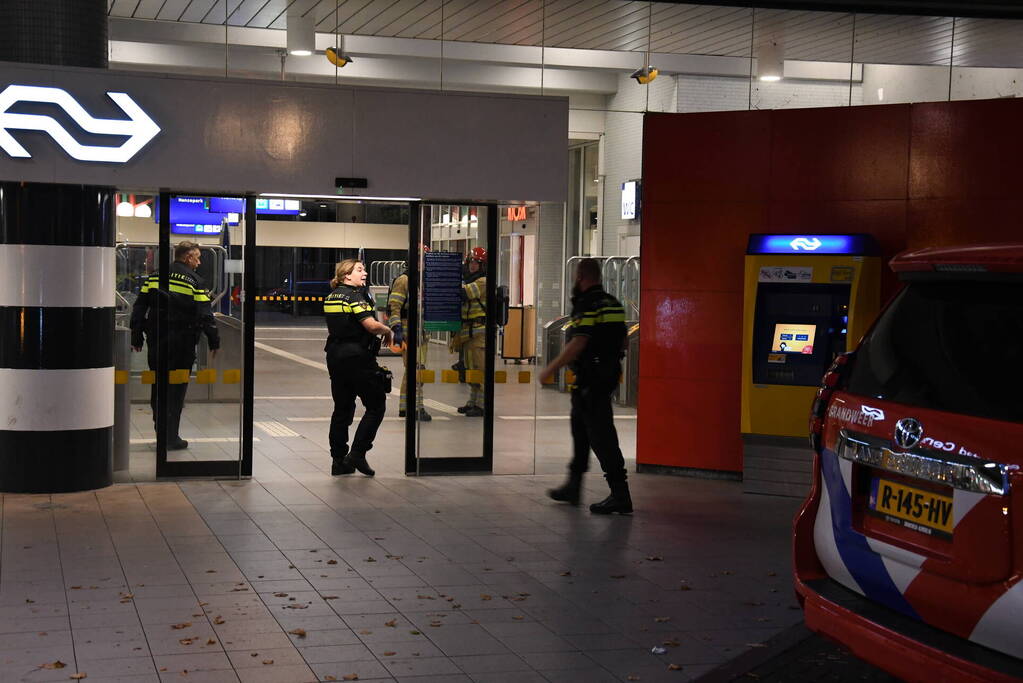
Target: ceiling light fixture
301	35
647	72
338	58
770	62
125	209
143	211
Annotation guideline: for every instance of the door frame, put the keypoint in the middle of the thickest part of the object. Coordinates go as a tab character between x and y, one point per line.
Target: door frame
484	463
242	467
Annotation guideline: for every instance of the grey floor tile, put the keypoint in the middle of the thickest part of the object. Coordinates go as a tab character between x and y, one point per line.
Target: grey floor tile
420	666
480	664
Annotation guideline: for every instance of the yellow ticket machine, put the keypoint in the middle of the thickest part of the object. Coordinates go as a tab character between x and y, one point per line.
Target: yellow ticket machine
807	298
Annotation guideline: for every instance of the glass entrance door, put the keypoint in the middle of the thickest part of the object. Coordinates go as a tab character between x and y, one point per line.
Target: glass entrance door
453	326
190	368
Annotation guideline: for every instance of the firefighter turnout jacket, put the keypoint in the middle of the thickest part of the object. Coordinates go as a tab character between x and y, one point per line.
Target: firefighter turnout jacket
397	301
188	307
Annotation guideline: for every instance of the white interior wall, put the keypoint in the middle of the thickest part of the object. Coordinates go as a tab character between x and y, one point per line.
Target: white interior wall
282	234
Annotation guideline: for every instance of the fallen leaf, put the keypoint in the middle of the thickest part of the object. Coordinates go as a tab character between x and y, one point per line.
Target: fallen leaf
392	623
78	676
661	620
772	573
296	607
518	618
187	641
566	574
671	643
211	641
178	627
484	596
53	665
370	559
351	677
674	667
365	632
727	572
415	633
268	661
331	561
211	571
300	632
756	645
29	601
685	587
654	558
218	620
330	597
328	677
618	576
280	595
632	677
254	654
390	654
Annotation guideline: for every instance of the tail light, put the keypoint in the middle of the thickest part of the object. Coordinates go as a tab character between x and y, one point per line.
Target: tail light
833	379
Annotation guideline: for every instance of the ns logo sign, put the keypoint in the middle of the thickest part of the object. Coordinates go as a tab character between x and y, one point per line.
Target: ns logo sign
138	128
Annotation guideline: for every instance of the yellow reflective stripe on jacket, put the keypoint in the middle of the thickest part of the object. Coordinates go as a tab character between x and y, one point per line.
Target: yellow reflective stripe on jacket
396	299
474	309
607	314
336	306
201	296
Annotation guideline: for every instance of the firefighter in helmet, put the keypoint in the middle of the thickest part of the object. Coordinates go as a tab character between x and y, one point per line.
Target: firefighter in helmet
472	338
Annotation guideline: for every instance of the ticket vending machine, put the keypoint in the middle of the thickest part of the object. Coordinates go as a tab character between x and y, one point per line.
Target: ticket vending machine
807	298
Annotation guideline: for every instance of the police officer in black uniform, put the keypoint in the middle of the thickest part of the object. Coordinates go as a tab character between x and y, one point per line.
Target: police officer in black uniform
593	350
352	347
189	313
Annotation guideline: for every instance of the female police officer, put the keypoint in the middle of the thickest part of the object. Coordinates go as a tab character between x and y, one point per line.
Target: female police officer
351	348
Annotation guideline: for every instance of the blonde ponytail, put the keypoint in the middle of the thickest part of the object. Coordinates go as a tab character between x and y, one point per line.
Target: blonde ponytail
343	270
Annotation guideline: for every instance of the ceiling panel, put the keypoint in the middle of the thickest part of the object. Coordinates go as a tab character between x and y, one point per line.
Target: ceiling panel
623	25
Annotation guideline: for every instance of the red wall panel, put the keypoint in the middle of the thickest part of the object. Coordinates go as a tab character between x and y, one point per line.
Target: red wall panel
911	175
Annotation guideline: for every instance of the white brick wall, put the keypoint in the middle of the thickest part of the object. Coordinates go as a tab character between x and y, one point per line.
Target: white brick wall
715	93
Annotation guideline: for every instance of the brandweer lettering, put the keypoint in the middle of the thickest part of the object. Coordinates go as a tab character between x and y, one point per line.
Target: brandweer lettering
849	415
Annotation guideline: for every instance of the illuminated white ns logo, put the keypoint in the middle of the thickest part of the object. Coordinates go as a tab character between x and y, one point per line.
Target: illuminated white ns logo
138	127
805	244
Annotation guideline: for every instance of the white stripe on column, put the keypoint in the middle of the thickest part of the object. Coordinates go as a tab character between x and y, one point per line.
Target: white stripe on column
56	400
48	275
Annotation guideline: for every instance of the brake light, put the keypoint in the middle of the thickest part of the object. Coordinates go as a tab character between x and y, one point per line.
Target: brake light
833	379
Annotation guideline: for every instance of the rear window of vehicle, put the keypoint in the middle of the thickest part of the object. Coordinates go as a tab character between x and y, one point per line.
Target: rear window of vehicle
955	347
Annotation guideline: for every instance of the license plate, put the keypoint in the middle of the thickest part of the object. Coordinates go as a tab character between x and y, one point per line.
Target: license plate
924	511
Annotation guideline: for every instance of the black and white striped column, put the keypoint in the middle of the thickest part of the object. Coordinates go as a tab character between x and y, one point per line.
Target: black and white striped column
57	279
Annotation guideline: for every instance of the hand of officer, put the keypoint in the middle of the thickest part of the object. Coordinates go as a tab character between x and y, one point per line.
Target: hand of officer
398	334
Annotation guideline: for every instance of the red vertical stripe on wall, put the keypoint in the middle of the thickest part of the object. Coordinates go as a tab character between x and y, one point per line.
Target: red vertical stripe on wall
911	175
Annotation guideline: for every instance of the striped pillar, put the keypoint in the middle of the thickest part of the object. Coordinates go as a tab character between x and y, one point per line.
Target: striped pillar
56	337
56	286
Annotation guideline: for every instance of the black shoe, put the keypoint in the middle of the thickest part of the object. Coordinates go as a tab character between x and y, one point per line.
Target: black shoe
619	501
464	408
358	462
339	466
401	413
423	416
177	445
569	492
473	411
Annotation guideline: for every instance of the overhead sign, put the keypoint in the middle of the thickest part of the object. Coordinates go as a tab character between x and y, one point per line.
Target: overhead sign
810	244
139	128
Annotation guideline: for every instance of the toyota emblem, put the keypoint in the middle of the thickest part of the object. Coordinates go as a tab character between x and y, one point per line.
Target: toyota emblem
908	431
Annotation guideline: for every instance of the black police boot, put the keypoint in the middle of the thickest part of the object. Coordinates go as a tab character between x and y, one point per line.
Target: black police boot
339	466
423	416
569	492
619	501
464	408
177	444
473	411
358	461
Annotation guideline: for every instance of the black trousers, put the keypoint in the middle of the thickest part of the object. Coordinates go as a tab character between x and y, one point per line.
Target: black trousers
180	356
593	428
350	378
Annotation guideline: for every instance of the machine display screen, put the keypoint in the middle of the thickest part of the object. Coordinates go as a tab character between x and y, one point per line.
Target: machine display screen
793	338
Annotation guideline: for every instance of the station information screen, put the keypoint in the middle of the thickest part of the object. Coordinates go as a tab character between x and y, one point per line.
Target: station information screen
793	338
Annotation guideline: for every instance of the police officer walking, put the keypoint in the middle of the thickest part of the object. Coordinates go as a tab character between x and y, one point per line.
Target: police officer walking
472	338
397	320
351	348
189	313
594	348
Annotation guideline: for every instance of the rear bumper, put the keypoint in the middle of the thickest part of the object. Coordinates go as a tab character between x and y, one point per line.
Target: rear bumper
902	646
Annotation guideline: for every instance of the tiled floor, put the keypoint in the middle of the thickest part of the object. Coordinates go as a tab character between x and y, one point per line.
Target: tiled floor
297	576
